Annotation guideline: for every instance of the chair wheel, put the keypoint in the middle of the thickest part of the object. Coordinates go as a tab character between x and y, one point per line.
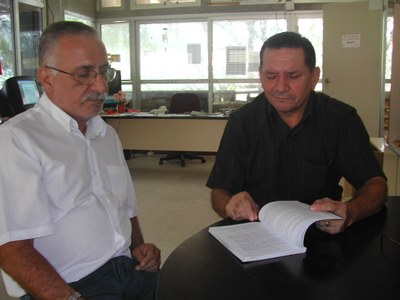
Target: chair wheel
203	160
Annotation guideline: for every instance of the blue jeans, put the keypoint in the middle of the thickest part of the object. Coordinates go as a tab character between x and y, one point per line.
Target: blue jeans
116	280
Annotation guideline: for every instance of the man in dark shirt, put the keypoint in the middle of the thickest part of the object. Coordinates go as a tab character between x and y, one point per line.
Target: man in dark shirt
292	143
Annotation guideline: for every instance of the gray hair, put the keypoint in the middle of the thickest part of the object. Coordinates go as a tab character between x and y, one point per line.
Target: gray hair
52	34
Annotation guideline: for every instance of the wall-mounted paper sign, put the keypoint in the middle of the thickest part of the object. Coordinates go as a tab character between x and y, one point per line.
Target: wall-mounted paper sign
351	40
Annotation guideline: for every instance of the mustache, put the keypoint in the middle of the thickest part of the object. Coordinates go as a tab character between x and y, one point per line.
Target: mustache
94	97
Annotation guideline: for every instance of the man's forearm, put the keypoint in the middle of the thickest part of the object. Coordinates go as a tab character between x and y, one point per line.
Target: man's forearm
32	271
136	236
368	200
219	200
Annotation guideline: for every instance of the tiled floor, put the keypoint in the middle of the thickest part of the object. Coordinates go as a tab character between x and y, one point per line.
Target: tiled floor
173	202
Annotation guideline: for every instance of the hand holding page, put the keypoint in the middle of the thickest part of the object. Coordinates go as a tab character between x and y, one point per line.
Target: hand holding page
280	232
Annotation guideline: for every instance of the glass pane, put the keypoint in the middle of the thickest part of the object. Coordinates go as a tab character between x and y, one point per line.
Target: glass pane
7	57
173	51
116	38
141	2
237	44
230	96
30	18
155	95
389	49
312	28
111	3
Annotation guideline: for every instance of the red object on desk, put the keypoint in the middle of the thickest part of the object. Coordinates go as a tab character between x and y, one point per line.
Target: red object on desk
121	108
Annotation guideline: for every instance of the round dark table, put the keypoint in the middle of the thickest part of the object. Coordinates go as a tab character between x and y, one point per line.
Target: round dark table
361	263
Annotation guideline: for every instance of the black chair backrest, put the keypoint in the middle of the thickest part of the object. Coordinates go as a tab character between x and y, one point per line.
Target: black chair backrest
115	85
18	94
184	102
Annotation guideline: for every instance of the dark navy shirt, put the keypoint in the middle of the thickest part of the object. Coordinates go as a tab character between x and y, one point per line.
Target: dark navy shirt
260	154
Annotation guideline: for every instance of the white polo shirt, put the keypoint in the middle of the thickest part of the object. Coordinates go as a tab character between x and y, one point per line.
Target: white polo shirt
71	193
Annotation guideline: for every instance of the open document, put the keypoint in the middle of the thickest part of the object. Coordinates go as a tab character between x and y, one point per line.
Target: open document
280	231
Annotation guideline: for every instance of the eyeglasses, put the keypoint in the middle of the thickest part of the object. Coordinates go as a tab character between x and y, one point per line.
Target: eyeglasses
87	77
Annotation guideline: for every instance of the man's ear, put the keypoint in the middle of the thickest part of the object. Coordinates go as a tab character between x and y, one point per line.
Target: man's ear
46	78
315	76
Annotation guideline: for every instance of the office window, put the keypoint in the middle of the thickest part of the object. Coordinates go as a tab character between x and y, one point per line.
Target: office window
164	49
116	38
236	48
312	29
7	56
235	40
216	57
171	60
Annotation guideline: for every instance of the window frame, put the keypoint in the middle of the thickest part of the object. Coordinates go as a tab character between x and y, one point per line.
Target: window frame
163	4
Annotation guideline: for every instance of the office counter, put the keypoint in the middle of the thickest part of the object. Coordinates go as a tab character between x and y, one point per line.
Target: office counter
168	132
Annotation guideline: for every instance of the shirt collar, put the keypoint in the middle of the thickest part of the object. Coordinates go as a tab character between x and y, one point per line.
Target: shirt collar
95	126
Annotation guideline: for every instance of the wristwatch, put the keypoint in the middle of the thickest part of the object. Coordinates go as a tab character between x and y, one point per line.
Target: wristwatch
74	296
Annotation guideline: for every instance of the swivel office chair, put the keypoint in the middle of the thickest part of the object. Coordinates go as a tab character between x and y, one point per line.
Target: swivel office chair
183	103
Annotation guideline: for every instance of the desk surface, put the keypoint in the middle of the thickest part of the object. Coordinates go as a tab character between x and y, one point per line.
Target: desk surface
351	265
144	115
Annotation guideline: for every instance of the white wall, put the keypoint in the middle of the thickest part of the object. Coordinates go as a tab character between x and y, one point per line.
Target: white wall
355	74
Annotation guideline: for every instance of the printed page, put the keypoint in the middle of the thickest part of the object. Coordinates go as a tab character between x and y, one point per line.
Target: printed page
253	241
280	231
291	219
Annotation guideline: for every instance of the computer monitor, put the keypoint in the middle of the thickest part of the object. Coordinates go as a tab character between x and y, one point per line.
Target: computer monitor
29	92
19	93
